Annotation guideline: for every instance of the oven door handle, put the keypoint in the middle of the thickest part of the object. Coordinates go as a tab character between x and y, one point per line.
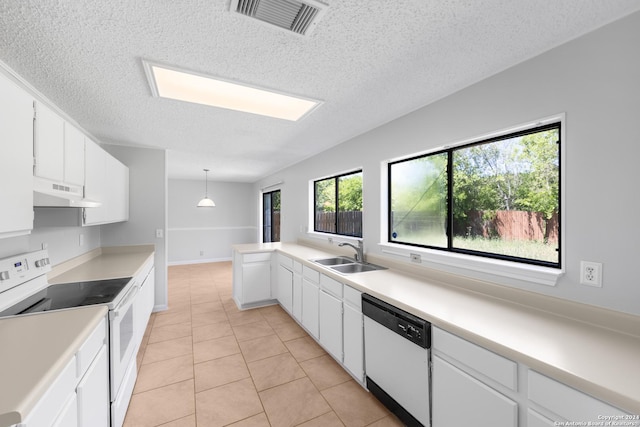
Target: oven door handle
125	302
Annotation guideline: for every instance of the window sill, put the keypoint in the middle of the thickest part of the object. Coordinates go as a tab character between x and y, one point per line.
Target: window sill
502	272
330	238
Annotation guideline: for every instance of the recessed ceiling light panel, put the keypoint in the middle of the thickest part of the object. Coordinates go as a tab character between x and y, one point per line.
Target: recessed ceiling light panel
173	83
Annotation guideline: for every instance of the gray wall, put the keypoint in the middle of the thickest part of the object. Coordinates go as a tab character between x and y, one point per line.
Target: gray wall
594	80
63	243
147	209
206	234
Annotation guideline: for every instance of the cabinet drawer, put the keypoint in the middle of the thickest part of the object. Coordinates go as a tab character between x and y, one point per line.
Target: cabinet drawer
49	406
331	286
285	261
90	348
352	297
461	400
310	274
565	401
257	257
498	368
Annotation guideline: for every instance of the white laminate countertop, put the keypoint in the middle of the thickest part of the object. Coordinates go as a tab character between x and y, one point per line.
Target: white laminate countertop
598	359
103	263
35	349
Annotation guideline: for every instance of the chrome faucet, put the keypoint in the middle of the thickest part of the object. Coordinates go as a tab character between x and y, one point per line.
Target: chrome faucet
359	250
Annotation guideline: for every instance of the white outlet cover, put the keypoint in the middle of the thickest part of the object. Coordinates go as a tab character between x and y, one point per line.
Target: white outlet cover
591	273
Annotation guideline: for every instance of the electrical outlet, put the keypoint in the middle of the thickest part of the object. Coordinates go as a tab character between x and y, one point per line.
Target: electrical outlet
415	258
159	233
201	253
591	273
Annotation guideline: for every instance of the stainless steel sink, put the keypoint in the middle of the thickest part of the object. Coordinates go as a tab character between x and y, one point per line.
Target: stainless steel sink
334	261
356	268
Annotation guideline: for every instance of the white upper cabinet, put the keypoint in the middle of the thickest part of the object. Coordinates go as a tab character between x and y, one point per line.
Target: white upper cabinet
106	181
58	148
48	144
16	159
95	186
73	155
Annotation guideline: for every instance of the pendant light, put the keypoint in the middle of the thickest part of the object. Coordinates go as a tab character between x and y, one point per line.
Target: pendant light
206	202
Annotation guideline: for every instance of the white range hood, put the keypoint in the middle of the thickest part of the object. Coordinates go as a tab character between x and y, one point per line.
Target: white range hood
51	194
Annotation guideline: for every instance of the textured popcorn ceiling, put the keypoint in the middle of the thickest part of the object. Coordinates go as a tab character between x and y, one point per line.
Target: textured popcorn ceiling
370	61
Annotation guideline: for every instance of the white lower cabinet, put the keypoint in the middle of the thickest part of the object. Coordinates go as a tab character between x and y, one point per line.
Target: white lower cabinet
460	399
285	286
331	324
297	291
79	396
310	307
353	333
93	392
535	419
68	416
564	403
252	279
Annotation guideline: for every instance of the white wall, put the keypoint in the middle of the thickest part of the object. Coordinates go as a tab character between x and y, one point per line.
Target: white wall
206	234
595	81
147	209
63	243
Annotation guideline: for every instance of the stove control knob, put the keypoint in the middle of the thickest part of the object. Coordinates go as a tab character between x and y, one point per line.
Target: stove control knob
4	275
42	262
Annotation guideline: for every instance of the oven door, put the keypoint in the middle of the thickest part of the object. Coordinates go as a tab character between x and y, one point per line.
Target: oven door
123	339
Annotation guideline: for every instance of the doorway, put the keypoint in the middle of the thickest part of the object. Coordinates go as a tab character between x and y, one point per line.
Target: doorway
271	216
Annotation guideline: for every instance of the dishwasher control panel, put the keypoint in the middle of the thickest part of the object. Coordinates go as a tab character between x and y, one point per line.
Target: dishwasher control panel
405	324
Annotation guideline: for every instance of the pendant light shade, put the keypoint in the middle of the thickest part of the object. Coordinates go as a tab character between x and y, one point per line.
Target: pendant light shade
206	202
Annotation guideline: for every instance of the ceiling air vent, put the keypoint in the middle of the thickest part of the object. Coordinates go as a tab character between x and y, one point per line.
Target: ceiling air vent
299	17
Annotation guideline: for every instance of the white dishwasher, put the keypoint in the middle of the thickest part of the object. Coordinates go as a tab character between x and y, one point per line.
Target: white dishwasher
397	360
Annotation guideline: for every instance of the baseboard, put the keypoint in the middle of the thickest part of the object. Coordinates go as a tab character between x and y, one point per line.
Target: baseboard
198	261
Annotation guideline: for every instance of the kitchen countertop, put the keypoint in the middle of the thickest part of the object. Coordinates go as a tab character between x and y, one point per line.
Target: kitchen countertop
35	349
26	371
102	263
552	336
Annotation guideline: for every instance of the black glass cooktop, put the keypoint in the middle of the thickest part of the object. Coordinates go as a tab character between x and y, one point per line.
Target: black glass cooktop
67	295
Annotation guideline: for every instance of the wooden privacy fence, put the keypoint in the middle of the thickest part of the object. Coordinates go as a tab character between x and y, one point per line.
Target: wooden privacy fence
349	223
510	225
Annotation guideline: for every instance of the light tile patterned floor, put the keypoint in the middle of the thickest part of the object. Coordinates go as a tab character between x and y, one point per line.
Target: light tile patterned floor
205	363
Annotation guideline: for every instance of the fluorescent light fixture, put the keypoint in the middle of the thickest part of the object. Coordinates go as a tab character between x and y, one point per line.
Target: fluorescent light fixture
172	83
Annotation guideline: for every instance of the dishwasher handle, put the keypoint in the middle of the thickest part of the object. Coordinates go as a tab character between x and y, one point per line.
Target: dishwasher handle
405	324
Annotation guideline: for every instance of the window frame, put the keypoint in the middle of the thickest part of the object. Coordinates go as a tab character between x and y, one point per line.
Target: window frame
495	267
270	193
336	179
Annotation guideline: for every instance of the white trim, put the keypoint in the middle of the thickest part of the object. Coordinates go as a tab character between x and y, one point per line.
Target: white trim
469	264
200	261
233	227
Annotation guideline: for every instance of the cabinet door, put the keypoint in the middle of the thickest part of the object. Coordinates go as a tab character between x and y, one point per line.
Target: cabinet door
353	342
73	155
310	296
256	285
48	144
285	288
68	416
535	419
93	393
16	159
331	324
297	296
117	192
95	185
454	389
